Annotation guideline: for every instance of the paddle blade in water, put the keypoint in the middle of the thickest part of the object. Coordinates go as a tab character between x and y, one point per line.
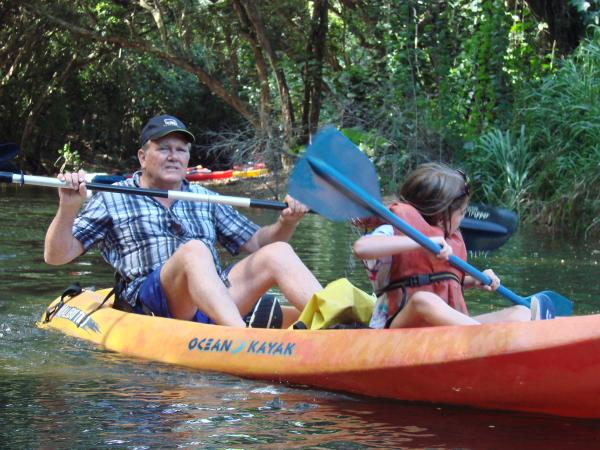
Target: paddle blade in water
562	306
319	194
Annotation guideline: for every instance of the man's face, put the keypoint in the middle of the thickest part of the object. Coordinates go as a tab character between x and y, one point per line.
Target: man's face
164	161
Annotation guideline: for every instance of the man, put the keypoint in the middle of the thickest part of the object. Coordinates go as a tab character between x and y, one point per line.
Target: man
165	249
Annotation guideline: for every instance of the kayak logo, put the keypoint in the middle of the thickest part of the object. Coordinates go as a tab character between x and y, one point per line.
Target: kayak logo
171	123
234	347
78	317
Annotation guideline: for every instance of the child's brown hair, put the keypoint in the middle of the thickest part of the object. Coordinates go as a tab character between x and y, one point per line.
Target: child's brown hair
436	191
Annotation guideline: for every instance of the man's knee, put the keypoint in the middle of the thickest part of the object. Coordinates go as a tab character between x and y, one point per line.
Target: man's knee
187	259
275	254
193	249
278	248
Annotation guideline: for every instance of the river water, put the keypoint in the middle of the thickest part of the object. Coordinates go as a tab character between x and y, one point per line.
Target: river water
57	392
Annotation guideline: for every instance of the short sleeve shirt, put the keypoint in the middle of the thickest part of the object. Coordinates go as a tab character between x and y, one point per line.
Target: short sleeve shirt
379	275
136	234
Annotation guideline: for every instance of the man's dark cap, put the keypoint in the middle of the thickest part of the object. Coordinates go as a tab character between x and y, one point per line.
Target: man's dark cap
160	126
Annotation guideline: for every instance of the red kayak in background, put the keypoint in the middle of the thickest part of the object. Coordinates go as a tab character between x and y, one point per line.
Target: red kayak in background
204	176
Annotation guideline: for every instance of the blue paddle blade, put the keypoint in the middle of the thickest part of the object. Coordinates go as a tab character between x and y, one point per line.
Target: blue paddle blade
7	166
317	191
562	306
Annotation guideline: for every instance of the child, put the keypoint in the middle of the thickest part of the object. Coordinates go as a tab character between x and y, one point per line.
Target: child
425	290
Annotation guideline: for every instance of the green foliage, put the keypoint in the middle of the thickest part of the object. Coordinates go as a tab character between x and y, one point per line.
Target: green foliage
588	9
408	81
502	167
366	141
76	89
494	59
552	174
108	14
563	116
68	158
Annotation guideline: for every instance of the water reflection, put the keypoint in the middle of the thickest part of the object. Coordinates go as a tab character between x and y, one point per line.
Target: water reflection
148	405
58	392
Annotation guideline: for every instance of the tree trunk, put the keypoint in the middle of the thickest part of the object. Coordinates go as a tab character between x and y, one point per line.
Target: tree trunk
39	101
158	19
565	24
313	69
262	73
287	111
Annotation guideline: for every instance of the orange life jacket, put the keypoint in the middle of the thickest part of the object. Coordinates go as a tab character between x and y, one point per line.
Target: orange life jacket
419	269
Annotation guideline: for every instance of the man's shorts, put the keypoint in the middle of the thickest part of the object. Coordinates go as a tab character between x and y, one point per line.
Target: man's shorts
151	294
267	312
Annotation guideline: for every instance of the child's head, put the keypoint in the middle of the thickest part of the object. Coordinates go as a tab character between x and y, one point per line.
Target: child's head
437	191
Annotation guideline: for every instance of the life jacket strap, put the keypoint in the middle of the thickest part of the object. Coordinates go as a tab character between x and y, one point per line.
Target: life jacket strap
420	279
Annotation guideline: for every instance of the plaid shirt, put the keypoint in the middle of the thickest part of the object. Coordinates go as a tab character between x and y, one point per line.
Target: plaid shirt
136	234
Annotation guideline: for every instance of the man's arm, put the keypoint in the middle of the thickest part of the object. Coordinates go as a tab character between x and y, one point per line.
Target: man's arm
60	246
281	230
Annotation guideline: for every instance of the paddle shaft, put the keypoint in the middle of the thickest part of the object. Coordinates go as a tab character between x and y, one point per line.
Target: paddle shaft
8	177
376	207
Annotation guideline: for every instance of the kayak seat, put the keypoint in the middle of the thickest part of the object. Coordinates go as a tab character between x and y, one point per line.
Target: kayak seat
267	313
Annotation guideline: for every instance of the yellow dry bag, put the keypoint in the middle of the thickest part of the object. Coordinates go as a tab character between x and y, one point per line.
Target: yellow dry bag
339	303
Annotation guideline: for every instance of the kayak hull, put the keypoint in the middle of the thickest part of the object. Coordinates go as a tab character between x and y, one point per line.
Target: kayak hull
550	367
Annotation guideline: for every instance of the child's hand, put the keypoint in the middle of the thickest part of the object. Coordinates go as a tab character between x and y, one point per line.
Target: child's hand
445	251
495	281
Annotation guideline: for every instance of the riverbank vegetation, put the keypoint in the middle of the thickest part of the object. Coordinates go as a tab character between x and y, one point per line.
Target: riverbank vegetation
506	89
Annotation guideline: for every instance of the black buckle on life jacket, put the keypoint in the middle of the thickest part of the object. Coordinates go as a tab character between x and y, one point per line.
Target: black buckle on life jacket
421	279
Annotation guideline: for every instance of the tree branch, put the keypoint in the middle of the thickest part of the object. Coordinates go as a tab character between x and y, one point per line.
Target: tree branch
142	47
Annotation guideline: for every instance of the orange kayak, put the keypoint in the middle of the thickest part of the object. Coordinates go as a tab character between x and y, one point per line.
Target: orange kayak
550	367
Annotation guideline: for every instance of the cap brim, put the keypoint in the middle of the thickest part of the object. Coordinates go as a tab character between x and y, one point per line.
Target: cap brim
163	133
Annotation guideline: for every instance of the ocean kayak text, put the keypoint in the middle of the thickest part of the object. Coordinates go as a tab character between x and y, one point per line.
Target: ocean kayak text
237	346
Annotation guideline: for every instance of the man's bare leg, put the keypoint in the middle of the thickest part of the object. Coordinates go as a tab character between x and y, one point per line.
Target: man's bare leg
273	264
190	281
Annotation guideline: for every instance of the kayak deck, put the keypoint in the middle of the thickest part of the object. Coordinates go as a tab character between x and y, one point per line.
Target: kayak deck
549	367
